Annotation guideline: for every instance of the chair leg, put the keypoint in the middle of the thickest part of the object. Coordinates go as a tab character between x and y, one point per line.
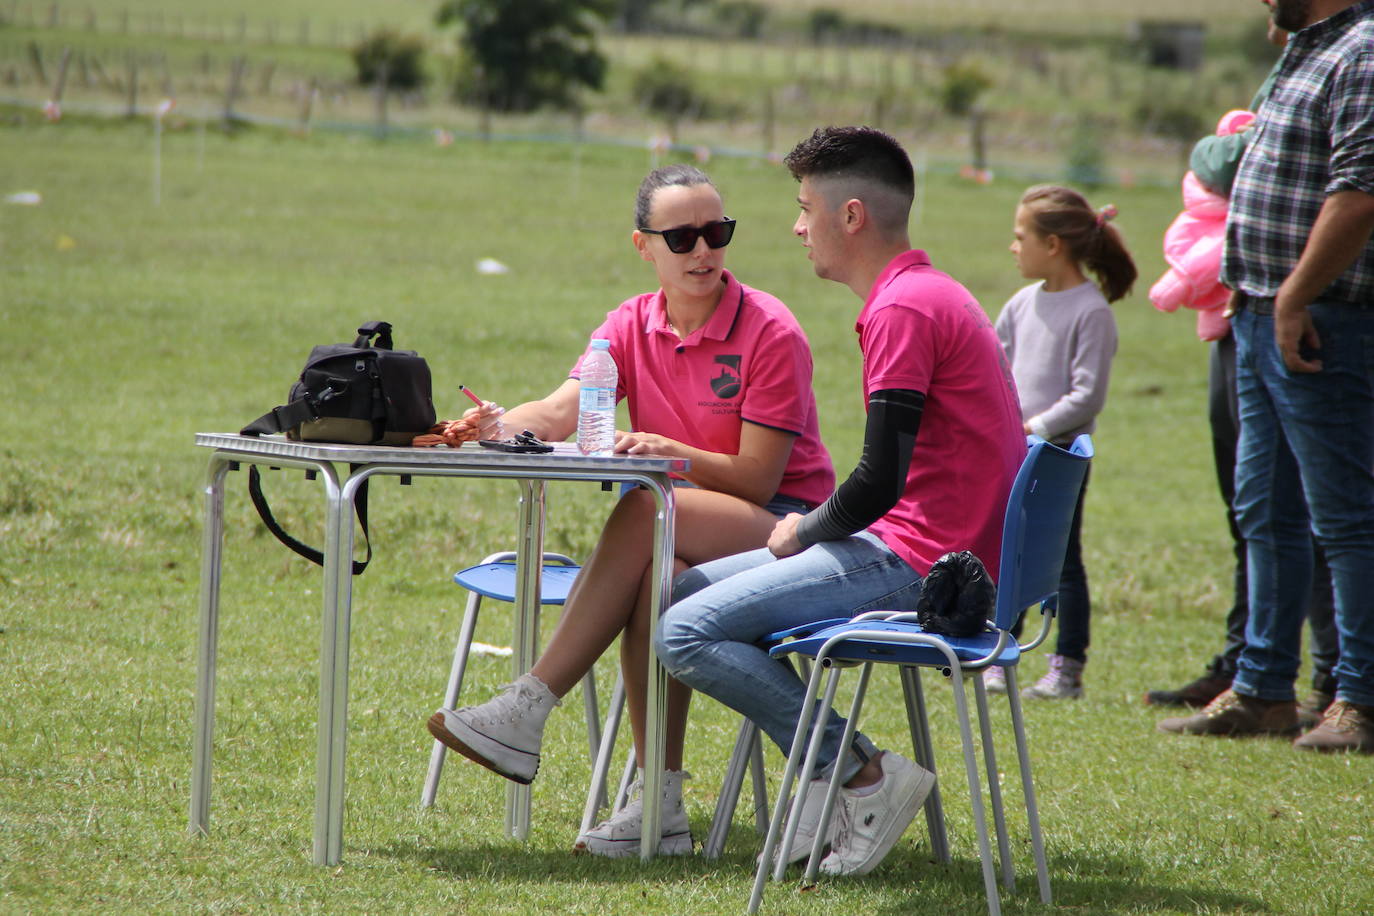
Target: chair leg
1018	725
999	811
919	724
627	779
789	774
813	862
593	713
597	788
455	686
760	784
980	826
740	761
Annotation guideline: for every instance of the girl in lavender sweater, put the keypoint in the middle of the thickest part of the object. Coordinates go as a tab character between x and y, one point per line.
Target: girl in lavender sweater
1060	336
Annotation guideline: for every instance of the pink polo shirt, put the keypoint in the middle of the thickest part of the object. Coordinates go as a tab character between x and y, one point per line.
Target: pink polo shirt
750	361
921	330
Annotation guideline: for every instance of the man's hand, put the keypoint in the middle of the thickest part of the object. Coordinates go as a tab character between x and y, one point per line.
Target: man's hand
1294	332
783	541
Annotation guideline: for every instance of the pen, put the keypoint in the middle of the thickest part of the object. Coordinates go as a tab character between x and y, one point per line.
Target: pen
468	391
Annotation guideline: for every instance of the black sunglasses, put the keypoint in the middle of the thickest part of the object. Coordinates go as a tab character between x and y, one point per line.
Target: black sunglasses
684	238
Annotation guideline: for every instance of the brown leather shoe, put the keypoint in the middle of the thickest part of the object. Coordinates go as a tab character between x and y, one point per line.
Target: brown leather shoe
1312	708
1345	727
1196	693
1232	713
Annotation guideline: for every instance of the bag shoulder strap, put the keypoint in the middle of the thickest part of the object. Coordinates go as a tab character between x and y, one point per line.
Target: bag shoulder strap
310	553
280	419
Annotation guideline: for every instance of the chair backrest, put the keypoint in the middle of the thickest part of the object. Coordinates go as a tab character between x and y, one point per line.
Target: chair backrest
1035	532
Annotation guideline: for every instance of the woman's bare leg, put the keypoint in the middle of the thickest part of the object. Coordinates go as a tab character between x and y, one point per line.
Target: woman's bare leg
708	526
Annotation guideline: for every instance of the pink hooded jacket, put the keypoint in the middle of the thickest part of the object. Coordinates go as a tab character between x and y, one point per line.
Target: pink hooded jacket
1193	245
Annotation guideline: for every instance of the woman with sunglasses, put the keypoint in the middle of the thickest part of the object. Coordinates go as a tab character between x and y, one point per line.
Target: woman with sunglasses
715	372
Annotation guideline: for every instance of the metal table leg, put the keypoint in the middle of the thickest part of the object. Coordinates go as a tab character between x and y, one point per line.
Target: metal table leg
528	561
656	704
335	621
212	554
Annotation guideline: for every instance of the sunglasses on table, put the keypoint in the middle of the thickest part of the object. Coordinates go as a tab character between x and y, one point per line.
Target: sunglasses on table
684	238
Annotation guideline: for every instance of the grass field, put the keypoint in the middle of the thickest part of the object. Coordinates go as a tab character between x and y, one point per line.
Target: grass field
130	327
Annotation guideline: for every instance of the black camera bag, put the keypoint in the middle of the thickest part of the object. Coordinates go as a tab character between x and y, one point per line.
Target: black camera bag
363	394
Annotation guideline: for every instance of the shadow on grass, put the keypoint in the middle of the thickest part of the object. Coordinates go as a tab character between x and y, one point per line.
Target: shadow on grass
507	863
1078	884
908	882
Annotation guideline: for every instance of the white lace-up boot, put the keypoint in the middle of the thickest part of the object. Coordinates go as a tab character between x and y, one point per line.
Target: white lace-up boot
619	834
502	734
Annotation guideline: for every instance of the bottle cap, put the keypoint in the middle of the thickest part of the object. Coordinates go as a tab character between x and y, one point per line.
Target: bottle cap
600	343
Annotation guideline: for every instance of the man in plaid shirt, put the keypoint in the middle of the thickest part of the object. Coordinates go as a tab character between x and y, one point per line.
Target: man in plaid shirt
1300	259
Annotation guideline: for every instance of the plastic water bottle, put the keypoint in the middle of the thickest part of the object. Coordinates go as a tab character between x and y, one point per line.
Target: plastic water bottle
596	401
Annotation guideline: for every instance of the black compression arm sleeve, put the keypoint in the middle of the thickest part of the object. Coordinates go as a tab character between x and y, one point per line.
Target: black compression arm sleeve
875	485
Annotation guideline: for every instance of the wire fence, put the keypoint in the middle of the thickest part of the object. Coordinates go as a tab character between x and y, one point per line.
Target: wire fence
63	59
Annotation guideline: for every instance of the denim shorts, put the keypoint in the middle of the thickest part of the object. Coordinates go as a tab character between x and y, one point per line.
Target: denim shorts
779	505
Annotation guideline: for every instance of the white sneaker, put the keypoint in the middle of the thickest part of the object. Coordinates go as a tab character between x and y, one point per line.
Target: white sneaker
994	679
1064	681
868	826
810	820
504	733
619	835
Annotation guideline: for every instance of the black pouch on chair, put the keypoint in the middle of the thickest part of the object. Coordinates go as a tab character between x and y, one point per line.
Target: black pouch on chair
365	393
958	596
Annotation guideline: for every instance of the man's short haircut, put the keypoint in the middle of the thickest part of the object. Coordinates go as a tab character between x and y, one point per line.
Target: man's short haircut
860	156
685	176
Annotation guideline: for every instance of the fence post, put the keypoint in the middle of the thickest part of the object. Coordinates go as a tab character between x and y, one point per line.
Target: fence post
768	122
167	89
36	59
308	106
132	109
383	80
231	93
61	82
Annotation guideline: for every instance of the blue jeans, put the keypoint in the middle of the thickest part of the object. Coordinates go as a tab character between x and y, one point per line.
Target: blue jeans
707	639
1304	468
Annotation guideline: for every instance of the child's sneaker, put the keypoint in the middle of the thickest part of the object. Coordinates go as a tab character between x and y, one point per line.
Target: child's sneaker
994	679
619	835
504	733
1063	681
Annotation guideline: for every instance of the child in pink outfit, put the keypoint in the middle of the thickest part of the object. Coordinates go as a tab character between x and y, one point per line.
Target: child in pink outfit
1193	244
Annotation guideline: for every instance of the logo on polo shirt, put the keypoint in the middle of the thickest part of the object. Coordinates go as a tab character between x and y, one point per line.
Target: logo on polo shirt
726	382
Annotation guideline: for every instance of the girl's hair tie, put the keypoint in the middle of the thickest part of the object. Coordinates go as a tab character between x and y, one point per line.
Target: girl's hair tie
1106	213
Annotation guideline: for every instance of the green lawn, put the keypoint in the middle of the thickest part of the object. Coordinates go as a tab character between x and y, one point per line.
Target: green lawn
130	327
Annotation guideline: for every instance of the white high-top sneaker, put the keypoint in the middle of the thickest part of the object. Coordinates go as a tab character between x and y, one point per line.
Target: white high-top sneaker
619	834
502	734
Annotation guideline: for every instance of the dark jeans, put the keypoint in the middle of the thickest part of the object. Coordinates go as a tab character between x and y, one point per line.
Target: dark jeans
1304	469
1074	605
1224	416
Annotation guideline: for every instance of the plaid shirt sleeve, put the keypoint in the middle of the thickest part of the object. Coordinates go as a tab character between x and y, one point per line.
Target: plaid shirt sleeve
1352	125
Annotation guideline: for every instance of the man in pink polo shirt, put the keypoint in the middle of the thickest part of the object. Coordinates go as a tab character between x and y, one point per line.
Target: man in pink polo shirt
942	444
714	372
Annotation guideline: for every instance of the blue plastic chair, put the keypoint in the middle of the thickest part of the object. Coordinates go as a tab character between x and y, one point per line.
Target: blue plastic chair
495	578
1035	534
